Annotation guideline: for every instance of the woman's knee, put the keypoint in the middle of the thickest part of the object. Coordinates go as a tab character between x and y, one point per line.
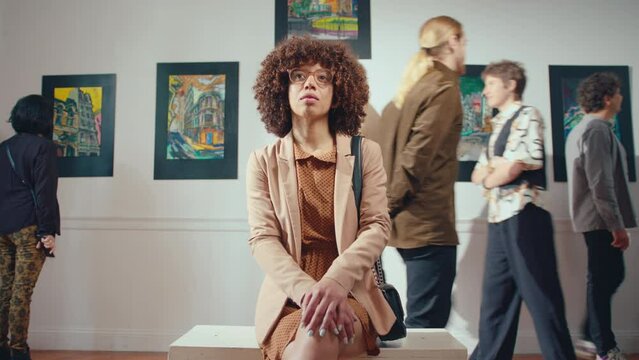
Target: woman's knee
356	347
312	347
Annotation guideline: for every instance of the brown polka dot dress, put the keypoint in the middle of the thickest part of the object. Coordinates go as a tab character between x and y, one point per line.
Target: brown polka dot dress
315	186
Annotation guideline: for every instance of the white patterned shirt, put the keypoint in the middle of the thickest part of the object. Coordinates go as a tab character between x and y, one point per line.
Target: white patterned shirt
525	145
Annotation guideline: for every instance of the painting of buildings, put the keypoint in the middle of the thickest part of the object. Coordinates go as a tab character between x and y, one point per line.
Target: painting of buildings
77	121
477	115
566	112
196	117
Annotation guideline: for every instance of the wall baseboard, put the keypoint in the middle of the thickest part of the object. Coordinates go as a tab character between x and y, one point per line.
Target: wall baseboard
477	226
101	339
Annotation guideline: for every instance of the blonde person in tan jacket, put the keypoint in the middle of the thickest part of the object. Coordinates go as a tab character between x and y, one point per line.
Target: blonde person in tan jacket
318	299
418	134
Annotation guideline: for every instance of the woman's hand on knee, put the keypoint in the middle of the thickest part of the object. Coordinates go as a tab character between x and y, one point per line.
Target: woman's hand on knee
346	319
319	305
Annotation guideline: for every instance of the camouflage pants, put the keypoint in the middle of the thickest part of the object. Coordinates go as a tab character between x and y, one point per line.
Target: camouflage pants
20	265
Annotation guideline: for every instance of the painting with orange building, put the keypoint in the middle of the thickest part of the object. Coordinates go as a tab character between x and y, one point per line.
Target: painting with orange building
195	117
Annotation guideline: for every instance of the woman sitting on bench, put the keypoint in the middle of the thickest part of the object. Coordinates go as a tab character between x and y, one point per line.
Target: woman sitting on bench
318	299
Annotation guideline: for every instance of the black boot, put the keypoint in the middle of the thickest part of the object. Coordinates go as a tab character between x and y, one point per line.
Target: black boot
5	354
20	354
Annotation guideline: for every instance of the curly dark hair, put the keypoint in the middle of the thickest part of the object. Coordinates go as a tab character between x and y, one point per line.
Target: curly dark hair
592	91
350	88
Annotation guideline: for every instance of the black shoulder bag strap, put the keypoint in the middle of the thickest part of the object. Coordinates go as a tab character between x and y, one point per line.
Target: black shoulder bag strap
356	150
391	295
504	133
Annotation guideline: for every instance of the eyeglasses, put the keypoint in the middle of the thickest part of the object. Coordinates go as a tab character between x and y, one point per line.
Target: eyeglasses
323	77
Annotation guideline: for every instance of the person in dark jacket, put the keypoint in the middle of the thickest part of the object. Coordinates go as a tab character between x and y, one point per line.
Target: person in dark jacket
30	217
418	133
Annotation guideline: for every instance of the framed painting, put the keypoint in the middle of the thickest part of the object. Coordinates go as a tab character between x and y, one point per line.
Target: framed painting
476	126
340	20
84	122
566	113
196	121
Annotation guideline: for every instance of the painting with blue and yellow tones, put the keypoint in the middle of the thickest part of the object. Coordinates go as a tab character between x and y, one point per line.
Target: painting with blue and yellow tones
77	120
196	117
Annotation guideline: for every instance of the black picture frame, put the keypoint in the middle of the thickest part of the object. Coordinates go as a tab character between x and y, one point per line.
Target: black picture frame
474	137
361	8
83	136
180	159
564	111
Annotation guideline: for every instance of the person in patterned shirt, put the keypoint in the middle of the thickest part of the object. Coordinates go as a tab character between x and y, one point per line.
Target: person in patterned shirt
520	255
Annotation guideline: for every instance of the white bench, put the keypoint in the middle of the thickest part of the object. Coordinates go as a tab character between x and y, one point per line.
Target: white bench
212	342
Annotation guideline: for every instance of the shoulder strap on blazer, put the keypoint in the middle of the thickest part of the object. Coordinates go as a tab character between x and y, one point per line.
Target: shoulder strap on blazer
22	180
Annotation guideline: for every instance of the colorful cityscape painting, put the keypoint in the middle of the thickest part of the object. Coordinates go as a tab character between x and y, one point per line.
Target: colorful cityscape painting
77	121
195	117
477	115
324	19
566	113
571	110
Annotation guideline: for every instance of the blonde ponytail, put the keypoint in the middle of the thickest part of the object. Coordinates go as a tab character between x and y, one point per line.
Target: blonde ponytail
433	36
417	67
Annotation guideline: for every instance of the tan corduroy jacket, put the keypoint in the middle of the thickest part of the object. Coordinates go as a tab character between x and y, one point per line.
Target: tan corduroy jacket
275	230
419	145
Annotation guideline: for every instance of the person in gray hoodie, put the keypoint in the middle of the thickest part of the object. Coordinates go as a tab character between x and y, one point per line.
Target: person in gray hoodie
600	205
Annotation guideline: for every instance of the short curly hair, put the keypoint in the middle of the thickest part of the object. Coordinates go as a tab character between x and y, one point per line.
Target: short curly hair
592	91
350	87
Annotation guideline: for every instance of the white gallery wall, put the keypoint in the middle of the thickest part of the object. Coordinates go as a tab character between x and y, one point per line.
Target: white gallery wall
142	261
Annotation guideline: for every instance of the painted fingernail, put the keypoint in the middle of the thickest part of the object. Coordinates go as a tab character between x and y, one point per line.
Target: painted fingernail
346	341
351	340
340	327
322	332
310	333
335	331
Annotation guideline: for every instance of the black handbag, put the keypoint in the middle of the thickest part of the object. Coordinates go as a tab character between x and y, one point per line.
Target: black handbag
398	330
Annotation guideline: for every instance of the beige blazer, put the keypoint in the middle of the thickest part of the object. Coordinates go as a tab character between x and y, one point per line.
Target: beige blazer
276	232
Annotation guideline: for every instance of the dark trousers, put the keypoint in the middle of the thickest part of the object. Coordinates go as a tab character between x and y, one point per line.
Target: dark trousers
606	272
521	265
430	273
